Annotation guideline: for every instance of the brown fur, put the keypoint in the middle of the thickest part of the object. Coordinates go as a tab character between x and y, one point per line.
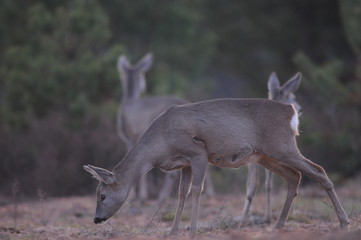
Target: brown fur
187	136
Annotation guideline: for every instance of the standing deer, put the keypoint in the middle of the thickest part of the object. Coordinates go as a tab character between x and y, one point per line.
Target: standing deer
136	113
223	132
283	94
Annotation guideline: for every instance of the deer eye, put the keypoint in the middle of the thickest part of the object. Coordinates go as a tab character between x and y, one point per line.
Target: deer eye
102	197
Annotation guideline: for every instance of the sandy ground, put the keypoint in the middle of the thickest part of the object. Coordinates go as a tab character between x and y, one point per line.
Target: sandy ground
311	217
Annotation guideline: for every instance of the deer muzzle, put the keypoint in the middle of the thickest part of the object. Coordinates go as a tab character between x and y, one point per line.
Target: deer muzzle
99	220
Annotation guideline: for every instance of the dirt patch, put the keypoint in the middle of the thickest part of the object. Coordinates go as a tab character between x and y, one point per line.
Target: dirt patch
311	217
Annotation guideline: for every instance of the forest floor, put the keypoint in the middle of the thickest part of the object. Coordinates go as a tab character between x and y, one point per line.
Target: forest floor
311	217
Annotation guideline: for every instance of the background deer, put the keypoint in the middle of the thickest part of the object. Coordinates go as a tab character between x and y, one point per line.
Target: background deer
135	114
224	132
283	94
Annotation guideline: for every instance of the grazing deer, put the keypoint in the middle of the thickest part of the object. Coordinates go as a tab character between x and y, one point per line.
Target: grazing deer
223	132
136	113
283	94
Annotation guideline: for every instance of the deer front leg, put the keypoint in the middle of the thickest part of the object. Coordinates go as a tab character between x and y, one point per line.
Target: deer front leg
269	186
184	185
252	181
199	169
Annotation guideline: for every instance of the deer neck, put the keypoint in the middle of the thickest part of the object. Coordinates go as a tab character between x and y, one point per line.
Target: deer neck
130	96
131	91
133	166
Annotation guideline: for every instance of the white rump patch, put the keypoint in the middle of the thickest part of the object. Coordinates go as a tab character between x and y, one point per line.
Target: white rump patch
294	123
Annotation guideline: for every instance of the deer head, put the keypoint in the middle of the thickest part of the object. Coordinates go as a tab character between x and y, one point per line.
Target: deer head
110	194
285	93
133	77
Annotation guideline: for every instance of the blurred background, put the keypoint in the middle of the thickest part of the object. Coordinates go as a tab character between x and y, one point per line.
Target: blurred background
60	89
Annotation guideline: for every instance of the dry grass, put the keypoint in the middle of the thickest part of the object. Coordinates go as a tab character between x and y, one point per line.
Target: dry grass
311	217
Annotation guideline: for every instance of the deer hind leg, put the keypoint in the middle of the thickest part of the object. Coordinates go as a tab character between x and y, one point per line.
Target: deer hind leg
292	177
252	182
316	172
268	187
184	186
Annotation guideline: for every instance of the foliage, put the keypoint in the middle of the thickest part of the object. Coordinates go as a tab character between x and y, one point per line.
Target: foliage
338	97
351	18
331	99
324	80
50	156
63	65
176	32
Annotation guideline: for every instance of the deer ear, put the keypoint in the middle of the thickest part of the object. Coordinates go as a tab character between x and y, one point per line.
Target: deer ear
145	63
123	64
101	174
292	84
273	82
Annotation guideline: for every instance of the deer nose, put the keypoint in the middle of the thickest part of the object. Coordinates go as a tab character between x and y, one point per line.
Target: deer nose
99	220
